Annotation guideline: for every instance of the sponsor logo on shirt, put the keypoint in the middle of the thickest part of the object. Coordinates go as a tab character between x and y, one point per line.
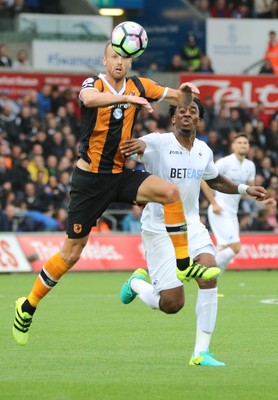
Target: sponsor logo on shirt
175	152
188	173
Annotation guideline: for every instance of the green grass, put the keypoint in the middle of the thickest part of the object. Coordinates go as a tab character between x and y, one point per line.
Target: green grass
84	344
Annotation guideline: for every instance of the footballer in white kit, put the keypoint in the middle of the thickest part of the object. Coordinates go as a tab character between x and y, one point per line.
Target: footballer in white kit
225	225
179	157
166	157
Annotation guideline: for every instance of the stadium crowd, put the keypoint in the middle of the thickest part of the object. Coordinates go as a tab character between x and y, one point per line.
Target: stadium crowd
39	132
39	135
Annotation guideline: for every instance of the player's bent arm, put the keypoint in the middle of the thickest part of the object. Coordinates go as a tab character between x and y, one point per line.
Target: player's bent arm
93	98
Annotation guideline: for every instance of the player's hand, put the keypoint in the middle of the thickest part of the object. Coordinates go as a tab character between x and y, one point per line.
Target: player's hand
258	192
216	209
187	93
140	102
188	86
133	146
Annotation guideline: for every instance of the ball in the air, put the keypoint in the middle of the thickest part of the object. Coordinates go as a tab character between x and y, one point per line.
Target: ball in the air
129	39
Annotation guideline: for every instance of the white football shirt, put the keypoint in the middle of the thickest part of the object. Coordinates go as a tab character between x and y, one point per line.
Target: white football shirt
238	171
165	157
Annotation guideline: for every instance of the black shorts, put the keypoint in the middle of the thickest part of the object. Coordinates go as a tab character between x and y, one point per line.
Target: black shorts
91	194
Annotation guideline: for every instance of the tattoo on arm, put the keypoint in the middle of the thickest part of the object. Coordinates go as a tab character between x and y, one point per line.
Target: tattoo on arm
223	184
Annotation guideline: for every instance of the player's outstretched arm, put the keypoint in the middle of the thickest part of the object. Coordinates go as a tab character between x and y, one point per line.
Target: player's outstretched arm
183	96
94	98
225	185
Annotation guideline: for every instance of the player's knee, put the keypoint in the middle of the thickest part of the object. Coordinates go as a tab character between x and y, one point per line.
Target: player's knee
171	306
172	195
71	258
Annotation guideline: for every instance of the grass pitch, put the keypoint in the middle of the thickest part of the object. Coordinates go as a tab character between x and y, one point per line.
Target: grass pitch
85	345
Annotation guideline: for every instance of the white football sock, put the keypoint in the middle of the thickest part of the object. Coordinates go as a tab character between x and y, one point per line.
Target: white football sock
206	312
145	293
223	257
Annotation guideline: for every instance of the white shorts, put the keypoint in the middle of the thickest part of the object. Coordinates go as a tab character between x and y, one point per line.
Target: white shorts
161	258
224	226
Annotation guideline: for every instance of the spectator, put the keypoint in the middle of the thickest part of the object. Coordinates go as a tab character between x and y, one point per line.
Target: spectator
260	222
261	7
37	165
220	9
21	175
191	53
132	222
152	69
5	60
242	11
44	100
266	68
205	65
203	7
22	60
176	64
272	51
272	13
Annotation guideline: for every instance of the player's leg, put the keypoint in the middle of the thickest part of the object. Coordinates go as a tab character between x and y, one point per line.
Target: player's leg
52	271
81	217
165	291
225	228
201	250
155	189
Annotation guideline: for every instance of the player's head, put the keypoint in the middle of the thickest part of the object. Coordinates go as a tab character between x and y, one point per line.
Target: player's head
187	119
241	145
116	65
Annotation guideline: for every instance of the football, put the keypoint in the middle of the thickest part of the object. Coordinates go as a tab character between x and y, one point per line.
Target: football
129	39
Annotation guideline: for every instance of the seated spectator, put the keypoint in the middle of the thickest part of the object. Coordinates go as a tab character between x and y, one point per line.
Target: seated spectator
176	64
203	6
266	68
37	165
242	11
22	60
261	7
191	53
5	60
132	222
272	13
205	65
260	222
220	9
151	70
12	219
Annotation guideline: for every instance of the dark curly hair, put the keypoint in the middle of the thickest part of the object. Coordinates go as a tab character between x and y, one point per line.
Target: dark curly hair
201	108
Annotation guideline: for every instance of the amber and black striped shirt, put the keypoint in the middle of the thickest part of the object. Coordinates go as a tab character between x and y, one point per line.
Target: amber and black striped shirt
105	128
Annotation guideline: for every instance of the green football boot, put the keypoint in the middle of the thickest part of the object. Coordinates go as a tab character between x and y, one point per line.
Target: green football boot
127	295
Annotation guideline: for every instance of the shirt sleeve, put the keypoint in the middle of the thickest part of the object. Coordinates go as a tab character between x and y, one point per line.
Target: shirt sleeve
152	146
153	91
211	170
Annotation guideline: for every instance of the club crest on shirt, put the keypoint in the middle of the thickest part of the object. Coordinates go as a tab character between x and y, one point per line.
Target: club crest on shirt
117	113
77	228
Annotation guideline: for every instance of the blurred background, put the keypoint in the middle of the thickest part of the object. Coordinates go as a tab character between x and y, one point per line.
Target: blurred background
229	49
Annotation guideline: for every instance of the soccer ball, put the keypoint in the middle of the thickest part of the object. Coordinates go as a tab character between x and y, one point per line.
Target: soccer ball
129	39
